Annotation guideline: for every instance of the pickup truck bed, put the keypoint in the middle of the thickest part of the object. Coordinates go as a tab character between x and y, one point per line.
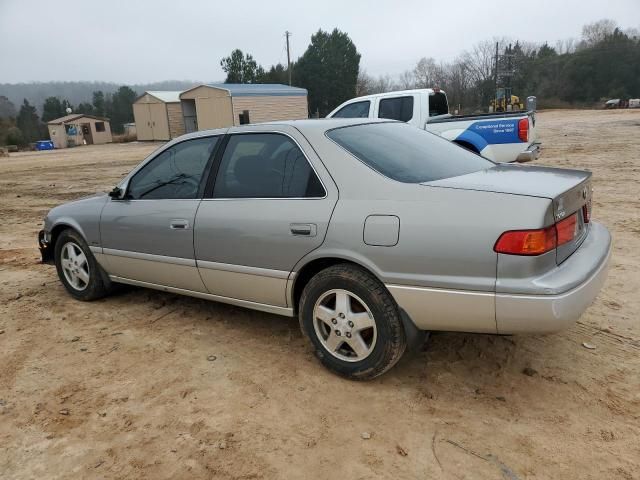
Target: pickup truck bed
475	116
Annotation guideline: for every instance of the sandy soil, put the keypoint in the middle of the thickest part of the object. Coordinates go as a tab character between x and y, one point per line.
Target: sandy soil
123	388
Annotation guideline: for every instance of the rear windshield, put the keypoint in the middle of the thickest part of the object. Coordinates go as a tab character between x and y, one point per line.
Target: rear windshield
438	104
406	153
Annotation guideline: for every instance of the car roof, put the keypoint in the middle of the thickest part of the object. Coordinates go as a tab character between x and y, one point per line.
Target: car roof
325	123
307	125
312	126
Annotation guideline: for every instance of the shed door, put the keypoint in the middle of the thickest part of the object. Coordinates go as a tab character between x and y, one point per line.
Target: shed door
159	121
142	117
214	112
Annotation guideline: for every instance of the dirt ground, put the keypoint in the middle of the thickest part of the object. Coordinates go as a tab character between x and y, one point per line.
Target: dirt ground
127	387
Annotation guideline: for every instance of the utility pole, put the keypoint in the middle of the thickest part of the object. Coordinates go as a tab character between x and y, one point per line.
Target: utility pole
495	82
288	34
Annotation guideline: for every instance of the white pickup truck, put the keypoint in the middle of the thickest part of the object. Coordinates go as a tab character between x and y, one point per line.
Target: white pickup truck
501	137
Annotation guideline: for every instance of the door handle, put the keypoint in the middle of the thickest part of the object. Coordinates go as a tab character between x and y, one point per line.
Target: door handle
179	224
304	229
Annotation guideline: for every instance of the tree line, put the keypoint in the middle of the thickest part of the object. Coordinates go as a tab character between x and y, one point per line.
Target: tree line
603	63
25	126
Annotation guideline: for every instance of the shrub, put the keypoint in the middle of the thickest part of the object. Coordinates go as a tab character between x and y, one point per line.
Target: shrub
14	136
124	138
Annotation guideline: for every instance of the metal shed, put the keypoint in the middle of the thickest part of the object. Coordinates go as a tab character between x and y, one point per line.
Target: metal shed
79	129
226	104
158	116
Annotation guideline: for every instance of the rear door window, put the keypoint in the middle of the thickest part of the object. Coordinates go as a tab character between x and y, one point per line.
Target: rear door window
399	108
265	165
354	110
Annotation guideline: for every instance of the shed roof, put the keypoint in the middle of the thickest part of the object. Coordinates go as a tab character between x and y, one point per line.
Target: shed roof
74	116
165	96
256	89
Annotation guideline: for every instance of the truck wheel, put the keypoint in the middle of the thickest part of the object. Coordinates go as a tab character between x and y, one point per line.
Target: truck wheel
77	268
352	321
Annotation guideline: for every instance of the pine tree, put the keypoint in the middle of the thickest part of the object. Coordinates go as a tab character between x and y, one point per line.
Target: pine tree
241	68
99	103
29	123
52	109
328	69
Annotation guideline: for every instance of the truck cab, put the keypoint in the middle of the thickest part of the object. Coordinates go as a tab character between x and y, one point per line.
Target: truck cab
501	137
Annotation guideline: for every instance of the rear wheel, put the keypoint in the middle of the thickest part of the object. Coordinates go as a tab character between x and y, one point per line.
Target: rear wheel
77	268
352	321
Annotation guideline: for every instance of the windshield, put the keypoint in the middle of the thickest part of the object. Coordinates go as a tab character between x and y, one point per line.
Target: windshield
406	153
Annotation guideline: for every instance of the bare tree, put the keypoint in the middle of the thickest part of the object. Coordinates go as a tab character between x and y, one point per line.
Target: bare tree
632	32
364	83
457	83
425	72
480	61
567	45
595	32
382	84
407	80
368	85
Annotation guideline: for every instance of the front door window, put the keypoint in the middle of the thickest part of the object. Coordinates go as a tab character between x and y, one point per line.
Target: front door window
177	173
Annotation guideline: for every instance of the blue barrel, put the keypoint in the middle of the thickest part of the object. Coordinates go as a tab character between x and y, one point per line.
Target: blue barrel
44	145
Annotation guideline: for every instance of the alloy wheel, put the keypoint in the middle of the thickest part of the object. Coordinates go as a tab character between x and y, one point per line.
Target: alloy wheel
344	325
75	266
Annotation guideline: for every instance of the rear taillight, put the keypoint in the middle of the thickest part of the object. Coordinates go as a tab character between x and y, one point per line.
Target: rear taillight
523	129
527	242
537	242
566	229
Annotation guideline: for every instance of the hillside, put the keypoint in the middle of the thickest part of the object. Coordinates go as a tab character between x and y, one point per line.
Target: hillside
78	92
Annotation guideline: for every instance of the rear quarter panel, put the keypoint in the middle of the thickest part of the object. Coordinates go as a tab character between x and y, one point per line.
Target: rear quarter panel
446	235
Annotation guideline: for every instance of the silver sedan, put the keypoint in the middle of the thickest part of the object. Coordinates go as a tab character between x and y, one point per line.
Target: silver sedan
370	232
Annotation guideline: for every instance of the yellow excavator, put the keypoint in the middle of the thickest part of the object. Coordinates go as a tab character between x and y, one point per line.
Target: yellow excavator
504	100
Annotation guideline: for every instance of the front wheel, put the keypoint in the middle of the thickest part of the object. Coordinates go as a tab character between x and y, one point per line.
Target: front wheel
352	321
77	268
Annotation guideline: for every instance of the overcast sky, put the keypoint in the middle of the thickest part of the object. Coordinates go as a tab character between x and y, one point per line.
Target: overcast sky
151	40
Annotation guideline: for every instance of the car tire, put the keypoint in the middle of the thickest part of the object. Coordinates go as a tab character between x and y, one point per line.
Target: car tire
352	321
78	269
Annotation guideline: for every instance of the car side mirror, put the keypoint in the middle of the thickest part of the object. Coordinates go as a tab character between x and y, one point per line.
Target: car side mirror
117	193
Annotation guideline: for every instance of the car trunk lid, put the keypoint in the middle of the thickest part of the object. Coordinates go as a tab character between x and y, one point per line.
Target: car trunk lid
569	190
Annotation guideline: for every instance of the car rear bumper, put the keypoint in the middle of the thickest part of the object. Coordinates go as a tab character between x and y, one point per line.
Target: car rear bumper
549	313
531	153
575	283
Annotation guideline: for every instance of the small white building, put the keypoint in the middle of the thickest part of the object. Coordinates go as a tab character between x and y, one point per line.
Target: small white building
79	129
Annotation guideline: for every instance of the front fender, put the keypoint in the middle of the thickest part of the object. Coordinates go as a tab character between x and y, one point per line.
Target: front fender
48	236
68	222
82	215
